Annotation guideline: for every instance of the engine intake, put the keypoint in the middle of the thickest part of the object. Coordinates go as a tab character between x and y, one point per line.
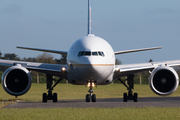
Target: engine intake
16	80
163	80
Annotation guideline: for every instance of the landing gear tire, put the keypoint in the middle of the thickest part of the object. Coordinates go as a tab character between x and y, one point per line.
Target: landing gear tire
130	97
88	98
135	97
44	97
55	97
93	98
125	97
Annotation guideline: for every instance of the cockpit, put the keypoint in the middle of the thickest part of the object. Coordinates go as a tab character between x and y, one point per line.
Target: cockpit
91	53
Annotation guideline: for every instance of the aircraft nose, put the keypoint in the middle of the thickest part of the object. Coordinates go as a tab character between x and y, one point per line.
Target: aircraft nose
89	70
87	60
94	69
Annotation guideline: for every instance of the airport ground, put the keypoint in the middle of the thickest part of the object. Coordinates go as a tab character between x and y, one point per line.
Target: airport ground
73	96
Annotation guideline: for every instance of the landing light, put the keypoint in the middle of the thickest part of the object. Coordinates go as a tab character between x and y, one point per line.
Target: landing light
93	84
63	69
117	69
89	84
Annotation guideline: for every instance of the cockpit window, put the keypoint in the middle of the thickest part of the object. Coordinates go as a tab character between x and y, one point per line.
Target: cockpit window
95	53
89	53
81	53
100	53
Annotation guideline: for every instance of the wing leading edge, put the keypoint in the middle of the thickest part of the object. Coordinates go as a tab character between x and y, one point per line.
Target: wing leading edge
44	50
52	69
136	50
124	70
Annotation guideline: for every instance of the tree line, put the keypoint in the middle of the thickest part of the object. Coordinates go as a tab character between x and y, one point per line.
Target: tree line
42	58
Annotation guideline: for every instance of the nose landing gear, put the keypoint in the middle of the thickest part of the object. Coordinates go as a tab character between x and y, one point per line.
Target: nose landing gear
91	97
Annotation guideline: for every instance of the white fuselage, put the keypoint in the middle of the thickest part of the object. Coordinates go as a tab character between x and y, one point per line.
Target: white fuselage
91	58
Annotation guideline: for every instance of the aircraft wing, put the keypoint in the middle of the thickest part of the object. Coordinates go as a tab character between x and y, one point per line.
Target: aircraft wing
124	70
44	50
136	50
52	69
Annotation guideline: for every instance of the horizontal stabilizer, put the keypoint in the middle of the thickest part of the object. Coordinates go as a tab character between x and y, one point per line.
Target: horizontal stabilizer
136	50
45	50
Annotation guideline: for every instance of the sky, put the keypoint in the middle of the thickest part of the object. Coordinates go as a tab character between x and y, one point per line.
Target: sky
124	24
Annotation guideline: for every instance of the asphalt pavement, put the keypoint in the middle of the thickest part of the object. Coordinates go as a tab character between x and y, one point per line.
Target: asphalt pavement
102	103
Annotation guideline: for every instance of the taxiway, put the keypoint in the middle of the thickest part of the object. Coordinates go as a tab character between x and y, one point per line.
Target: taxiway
102	103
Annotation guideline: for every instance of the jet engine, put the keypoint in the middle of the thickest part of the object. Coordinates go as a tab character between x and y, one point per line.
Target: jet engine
16	80
163	80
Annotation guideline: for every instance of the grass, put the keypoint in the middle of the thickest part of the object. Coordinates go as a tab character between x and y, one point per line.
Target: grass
146	113
3	104
68	91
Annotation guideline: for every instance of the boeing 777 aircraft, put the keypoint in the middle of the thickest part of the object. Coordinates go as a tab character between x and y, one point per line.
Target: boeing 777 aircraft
90	62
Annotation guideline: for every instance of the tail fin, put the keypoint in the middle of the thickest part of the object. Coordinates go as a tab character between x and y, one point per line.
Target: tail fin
89	19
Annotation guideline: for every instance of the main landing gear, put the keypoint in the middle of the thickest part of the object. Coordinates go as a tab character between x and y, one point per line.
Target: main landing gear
50	96
91	97
130	86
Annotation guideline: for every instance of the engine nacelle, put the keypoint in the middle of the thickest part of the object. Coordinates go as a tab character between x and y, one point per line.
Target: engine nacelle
16	80
163	80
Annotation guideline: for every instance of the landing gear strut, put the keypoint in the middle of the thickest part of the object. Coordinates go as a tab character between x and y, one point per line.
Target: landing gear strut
50	96
91	97
130	86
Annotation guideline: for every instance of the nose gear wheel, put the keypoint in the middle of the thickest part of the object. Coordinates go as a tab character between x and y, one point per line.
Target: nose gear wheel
91	97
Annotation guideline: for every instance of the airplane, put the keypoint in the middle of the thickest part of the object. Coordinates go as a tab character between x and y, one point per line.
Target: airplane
90	62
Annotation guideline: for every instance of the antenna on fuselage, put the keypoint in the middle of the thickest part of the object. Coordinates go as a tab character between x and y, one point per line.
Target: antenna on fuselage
89	19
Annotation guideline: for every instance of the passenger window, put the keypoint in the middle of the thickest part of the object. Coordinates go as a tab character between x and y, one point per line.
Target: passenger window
95	53
87	53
